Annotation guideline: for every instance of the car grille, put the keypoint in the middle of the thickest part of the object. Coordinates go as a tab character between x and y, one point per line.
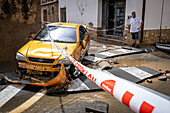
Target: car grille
41	60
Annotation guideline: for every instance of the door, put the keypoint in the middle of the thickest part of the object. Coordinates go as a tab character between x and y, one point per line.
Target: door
63	14
44	15
113	16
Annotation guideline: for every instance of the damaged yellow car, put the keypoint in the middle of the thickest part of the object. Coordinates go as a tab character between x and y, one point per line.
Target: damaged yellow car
40	59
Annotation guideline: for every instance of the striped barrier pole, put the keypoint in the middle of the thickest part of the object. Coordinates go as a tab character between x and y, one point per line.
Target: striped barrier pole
105	29
138	98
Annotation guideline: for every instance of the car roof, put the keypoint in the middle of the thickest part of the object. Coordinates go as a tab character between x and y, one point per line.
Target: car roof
63	24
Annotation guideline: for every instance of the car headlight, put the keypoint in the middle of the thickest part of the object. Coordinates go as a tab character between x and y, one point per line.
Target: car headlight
65	61
20	57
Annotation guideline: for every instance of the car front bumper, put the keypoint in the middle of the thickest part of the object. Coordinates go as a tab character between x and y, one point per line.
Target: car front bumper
38	67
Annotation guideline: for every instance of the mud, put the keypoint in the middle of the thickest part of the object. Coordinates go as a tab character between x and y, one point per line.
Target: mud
145	59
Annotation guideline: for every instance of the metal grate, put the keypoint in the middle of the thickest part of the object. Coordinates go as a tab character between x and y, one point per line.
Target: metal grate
41	60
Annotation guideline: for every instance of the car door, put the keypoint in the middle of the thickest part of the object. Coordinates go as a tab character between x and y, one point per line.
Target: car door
84	41
83	35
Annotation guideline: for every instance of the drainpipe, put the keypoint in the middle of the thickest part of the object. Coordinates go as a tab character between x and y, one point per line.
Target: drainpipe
161	21
143	18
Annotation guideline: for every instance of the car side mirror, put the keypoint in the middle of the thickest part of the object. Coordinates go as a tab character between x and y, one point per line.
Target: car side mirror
83	44
81	41
31	36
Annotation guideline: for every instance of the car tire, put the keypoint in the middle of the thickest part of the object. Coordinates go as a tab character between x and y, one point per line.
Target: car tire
74	72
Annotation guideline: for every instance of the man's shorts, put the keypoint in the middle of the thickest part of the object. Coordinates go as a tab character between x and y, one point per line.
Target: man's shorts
135	36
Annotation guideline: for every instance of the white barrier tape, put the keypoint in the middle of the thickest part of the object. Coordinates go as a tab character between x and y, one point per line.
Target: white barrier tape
136	97
104	29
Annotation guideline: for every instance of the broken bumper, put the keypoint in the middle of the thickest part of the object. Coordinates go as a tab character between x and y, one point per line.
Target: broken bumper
38	67
60	79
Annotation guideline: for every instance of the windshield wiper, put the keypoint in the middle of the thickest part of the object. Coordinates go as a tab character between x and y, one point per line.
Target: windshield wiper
44	40
58	41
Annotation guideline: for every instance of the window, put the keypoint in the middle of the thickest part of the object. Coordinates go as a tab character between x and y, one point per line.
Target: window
52	9
82	33
44	15
58	34
43	1
50	0
63	14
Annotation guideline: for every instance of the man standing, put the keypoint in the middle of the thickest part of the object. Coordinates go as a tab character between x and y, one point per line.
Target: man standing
134	27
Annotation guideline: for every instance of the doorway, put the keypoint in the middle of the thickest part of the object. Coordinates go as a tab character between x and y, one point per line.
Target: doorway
63	14
44	15
113	12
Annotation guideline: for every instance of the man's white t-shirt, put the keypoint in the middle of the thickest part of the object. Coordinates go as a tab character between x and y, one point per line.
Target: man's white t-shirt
135	24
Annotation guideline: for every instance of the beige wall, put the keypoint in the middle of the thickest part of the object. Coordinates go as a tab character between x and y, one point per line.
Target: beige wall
82	11
166	15
153	14
152	22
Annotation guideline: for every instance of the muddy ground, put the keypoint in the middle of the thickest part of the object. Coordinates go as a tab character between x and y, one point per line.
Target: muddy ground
76	102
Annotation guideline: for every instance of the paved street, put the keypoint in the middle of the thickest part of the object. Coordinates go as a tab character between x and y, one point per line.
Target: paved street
34	99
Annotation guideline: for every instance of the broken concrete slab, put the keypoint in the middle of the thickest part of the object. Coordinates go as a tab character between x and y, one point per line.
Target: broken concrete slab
167	71
168	75
111	53
126	47
163	77
124	65
103	64
149	80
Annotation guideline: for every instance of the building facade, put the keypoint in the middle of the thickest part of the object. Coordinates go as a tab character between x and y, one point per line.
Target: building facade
113	16
155	15
49	11
100	14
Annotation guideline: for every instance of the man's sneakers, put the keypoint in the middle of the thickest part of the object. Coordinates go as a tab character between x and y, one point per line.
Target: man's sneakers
133	45
138	46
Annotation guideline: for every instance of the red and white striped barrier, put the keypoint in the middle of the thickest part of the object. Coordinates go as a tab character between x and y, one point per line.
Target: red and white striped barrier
105	29
136	97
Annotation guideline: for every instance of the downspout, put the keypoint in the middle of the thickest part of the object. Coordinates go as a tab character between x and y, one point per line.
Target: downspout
143	19
161	21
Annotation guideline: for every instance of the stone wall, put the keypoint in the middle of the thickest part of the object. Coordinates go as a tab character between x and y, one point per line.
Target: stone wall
150	36
153	36
18	18
94	32
52	11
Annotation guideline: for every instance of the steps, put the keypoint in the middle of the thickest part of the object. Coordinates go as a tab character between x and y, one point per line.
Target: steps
112	38
118	41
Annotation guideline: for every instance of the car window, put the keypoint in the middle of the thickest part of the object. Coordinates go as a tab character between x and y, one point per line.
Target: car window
58	34
82	33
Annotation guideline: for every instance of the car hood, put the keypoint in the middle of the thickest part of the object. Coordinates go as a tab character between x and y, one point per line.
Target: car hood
47	50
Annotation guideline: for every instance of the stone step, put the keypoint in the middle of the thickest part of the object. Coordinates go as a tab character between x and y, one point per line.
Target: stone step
113	40
112	36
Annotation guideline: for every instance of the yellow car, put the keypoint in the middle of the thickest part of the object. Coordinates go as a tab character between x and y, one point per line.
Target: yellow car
40	57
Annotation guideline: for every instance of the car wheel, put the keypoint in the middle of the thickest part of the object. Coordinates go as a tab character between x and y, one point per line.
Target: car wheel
74	72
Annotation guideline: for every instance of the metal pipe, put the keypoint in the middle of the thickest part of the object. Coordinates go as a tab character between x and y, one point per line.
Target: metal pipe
161	21
143	19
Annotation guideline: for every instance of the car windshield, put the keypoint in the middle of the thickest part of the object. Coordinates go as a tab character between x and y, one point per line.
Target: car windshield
58	34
